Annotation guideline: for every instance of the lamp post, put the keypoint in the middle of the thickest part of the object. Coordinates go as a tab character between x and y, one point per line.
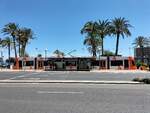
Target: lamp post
45	57
1	59
46	53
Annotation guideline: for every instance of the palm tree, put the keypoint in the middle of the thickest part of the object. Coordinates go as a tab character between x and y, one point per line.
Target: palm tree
120	27
11	29
103	30
93	44
7	42
91	37
141	41
27	34
20	33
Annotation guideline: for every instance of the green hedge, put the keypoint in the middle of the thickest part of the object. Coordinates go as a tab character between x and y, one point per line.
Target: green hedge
143	80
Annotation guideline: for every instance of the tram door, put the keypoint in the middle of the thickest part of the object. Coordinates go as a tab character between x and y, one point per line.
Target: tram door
59	65
40	64
126	64
84	64
103	64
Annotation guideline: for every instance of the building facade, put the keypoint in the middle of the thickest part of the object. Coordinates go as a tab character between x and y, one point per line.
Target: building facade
142	54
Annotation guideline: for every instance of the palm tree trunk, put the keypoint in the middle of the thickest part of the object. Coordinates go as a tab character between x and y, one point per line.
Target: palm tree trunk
117	44
102	46
9	54
15	47
94	54
94	51
17	62
19	47
23	50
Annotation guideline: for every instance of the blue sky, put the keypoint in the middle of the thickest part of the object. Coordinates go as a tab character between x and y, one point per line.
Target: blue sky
57	23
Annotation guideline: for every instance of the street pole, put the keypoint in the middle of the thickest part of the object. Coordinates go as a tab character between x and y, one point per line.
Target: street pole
46	53
2	59
45	57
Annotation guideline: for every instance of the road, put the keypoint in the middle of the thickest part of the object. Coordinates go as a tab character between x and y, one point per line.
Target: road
66	75
74	98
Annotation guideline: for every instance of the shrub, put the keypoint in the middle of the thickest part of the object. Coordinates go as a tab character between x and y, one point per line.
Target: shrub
136	79
146	80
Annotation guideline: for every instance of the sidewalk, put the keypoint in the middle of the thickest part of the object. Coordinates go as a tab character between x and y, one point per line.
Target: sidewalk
97	71
15	70
120	71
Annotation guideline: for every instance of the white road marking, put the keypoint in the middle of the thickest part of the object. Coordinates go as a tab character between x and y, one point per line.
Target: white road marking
57	73
31	78
21	76
57	92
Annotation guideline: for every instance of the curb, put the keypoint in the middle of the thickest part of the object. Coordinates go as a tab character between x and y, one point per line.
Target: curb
97	71
120	71
69	81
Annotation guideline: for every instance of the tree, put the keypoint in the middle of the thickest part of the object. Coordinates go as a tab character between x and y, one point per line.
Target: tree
93	44
120	27
7	42
141	41
103	29
26	35
20	34
108	53
11	29
39	55
59	53
91	39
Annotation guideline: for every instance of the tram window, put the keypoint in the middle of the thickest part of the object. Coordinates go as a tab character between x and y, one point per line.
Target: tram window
29	63
45	63
95	63
68	63
117	63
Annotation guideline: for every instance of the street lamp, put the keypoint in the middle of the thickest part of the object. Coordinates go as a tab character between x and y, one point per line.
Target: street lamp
45	57
46	53
36	49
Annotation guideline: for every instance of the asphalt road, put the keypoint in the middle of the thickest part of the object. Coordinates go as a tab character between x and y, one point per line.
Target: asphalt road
73	98
66	75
